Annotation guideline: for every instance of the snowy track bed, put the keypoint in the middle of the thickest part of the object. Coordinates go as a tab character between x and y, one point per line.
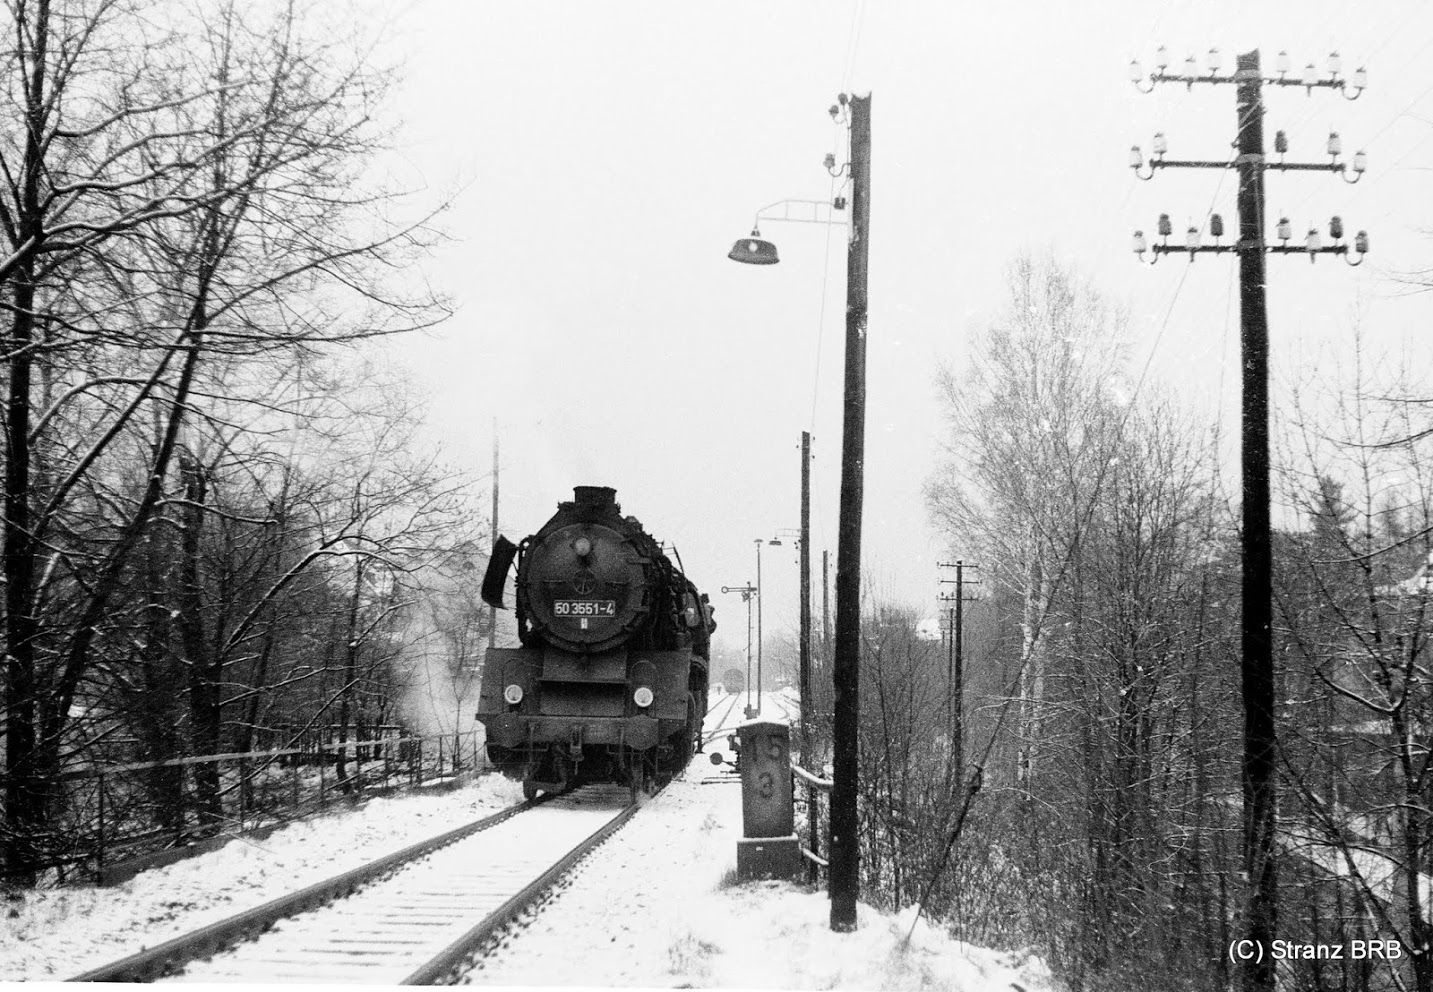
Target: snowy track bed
171	955
56	933
415	925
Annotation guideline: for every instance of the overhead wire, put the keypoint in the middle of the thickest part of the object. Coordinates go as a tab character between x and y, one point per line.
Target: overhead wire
1394	119
841	132
1138	386
1119	434
853	43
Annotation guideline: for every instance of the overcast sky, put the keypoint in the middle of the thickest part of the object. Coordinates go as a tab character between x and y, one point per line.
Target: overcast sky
609	154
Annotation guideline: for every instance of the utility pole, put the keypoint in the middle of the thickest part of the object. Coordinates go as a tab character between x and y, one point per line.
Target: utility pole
493	610
1257	676
808	759
825	601
955	670
805	644
845	850
759	543
1260	771
846	665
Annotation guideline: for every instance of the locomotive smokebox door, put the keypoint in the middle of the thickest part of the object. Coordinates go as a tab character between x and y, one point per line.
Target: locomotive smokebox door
769	848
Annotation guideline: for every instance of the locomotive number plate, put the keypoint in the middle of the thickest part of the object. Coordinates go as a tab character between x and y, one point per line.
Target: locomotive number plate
584	608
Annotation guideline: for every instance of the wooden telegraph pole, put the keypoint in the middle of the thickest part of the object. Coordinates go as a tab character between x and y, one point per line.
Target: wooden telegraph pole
955	668
1260	768
845	851
1260	771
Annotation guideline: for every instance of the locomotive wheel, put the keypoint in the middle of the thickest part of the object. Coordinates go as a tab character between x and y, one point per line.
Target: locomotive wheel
529	791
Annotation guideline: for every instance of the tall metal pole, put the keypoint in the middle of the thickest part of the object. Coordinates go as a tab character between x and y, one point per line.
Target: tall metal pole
805	648
493	610
1260	785
749	711
845	851
759	543
807	758
825	601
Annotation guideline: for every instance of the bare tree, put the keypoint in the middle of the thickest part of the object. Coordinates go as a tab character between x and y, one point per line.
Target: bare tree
1029	436
1091	512
1354	598
175	201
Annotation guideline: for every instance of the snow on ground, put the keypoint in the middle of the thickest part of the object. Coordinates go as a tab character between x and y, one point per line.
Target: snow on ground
656	905
55	934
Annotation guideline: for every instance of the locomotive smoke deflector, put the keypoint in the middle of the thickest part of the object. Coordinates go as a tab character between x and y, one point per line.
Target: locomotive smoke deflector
497	574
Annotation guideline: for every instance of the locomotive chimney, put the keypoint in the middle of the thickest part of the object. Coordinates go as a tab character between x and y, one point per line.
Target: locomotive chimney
596	497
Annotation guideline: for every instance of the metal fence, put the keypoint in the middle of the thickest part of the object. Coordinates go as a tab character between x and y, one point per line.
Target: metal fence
113	813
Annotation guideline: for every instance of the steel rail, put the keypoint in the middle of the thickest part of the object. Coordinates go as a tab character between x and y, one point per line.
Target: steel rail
455	955
158	961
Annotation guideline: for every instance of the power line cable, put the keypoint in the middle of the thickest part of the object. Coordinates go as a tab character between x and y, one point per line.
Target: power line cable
853	43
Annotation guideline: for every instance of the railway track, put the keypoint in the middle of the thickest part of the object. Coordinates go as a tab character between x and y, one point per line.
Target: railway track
717	726
427	911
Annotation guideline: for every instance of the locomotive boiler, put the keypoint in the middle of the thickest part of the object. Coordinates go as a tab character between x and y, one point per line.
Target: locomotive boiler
610	681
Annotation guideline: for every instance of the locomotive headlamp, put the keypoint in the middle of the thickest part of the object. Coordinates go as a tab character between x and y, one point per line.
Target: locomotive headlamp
583	547
642	697
513	694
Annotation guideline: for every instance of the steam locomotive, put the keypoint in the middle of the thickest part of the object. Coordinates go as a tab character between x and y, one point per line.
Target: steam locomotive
610	683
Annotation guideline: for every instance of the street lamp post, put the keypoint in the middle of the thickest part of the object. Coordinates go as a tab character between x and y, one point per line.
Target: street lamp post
845	854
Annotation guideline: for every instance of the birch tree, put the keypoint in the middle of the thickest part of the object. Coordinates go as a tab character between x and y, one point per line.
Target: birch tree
1029	433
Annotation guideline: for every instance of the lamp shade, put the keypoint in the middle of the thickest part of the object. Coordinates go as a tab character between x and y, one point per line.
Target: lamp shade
754	251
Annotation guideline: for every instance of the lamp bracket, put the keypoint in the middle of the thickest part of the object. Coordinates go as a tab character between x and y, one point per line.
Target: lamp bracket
801	212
